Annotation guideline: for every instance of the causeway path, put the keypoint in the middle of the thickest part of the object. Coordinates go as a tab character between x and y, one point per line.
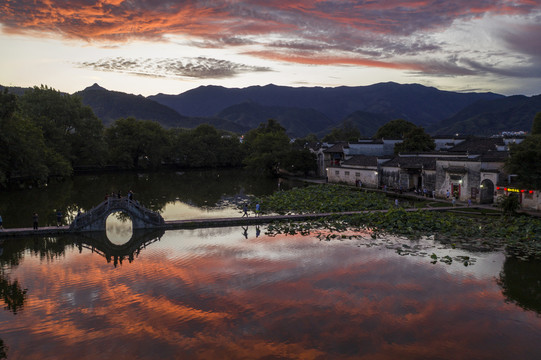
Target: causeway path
215	222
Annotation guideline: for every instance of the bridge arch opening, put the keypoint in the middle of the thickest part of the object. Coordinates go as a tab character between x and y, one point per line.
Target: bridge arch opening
119	227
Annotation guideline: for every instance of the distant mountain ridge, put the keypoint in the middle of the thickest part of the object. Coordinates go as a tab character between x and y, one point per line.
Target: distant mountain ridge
318	110
112	105
413	102
295	120
489	117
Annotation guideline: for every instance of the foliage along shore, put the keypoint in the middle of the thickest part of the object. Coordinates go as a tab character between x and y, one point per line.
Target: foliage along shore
520	235
45	134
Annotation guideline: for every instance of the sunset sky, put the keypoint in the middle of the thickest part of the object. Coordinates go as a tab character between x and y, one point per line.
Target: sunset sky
152	46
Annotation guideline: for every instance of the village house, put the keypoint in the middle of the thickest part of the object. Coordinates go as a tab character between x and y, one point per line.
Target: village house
408	172
358	170
471	169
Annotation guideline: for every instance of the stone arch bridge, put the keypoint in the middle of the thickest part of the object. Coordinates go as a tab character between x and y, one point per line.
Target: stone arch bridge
95	218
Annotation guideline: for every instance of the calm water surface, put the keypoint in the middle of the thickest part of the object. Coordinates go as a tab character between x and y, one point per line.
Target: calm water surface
176	195
236	293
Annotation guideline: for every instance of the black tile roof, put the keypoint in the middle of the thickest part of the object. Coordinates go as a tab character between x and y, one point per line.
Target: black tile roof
361	160
478	145
412	162
337	148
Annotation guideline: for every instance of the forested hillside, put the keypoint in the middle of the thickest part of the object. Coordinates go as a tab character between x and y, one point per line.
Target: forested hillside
490	117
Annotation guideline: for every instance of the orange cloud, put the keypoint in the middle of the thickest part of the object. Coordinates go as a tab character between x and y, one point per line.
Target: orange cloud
363	33
333	60
120	20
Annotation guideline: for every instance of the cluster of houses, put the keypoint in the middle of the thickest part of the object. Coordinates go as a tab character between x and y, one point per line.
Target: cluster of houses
469	169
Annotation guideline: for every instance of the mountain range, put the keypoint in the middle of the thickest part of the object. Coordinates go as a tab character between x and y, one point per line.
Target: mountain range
317	110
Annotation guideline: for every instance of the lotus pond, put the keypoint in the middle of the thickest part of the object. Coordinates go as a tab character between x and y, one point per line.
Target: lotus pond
519	236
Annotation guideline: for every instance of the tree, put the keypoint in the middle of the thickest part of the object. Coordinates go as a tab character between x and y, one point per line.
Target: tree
394	129
524	161
415	140
137	144
536	127
23	153
267	152
266	146
269	149
301	143
509	204
204	146
299	160
347	132
72	133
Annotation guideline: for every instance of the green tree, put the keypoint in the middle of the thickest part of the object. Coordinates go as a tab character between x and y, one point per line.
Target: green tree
271	126
415	140
394	129
266	148
204	146
269	150
135	144
72	133
347	132
536	127
524	161
509	204
23	154
299	160
301	143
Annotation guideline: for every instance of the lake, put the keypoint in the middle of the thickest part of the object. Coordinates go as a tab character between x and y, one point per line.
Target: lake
238	293
176	195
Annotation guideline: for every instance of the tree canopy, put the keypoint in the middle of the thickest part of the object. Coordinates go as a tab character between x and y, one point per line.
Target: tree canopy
394	129
347	132
415	140
536	127
45	133
269	150
524	161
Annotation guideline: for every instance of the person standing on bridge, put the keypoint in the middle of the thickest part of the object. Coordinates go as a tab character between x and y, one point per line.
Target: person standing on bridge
58	218
35	219
257	209
1	222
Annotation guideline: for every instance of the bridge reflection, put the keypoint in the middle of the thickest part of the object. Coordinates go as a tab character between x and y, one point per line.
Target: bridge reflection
99	243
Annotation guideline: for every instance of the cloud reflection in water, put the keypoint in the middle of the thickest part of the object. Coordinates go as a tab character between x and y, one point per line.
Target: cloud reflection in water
214	294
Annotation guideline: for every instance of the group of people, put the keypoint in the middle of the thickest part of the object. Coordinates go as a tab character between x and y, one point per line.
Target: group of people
425	192
35	219
257	210
118	195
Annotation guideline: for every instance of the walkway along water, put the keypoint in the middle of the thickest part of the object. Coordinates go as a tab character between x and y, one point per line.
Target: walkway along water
143	218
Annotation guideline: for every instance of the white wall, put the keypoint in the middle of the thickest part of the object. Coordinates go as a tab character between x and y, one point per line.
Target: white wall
368	177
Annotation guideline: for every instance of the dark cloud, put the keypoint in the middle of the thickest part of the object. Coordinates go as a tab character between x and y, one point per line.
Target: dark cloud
200	67
362	32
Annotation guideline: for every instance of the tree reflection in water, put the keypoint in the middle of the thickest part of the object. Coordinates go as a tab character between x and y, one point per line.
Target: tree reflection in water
3	350
216	294
14	295
521	283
